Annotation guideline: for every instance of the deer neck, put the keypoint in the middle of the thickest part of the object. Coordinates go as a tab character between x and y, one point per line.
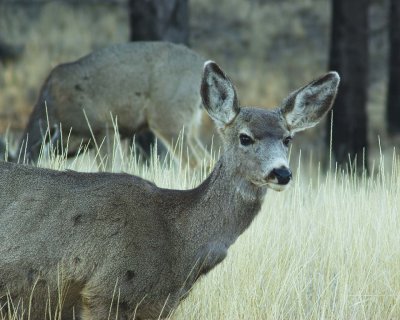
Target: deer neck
220	209
227	204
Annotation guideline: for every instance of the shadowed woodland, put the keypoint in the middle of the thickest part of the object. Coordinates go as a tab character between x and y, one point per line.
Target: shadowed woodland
268	47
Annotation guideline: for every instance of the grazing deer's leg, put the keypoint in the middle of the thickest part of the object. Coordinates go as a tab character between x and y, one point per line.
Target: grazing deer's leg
108	153
182	112
29	147
195	145
193	151
143	142
192	134
191	154
3	150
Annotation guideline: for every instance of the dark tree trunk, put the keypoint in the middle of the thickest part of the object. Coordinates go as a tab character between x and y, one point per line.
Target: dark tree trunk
166	20
349	57
393	98
9	52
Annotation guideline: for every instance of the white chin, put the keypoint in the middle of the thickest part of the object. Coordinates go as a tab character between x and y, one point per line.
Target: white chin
277	187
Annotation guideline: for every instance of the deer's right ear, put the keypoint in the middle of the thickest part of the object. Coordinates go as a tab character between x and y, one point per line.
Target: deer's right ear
305	107
218	95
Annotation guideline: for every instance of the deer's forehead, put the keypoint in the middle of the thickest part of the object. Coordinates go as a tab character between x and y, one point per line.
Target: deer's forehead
262	123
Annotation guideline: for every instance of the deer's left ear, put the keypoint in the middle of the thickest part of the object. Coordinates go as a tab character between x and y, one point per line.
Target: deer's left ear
305	107
219	95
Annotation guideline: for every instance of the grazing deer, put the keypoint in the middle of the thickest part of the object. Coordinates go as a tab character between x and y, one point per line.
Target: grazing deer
119	233
145	85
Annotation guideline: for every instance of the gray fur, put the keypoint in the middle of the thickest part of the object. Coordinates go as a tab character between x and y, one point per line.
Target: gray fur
152	85
104	231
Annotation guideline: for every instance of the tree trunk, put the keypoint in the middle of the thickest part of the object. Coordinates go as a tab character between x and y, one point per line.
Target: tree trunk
349	57
393	98
166	20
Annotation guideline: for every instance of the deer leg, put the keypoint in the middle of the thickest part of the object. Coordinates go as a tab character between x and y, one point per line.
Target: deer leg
107	152
170	140
105	309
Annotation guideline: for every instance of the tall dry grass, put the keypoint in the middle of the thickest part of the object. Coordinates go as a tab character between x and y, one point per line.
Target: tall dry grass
327	248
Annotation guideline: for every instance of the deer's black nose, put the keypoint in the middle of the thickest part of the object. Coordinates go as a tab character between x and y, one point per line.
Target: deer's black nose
283	175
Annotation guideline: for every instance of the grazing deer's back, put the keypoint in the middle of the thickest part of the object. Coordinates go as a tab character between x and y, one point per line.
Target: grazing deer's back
145	85
126	79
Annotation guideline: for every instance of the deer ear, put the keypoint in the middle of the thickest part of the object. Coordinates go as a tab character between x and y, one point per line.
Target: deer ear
305	107
218	95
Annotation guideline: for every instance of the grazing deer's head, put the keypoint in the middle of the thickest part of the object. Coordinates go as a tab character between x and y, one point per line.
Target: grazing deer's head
255	139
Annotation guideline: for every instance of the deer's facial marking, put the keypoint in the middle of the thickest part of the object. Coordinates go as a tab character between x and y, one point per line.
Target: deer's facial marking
262	138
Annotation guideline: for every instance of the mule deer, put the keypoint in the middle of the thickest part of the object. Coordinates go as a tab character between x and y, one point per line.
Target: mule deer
119	231
145	85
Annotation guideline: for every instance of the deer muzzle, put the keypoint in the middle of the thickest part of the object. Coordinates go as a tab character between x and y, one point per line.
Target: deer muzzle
282	175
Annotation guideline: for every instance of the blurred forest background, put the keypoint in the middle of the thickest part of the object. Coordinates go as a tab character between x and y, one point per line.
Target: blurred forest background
268	47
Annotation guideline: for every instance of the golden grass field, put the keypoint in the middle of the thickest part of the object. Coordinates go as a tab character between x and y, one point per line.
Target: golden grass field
327	248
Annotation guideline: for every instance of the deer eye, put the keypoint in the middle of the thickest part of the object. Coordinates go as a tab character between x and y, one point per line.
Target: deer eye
245	140
287	140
